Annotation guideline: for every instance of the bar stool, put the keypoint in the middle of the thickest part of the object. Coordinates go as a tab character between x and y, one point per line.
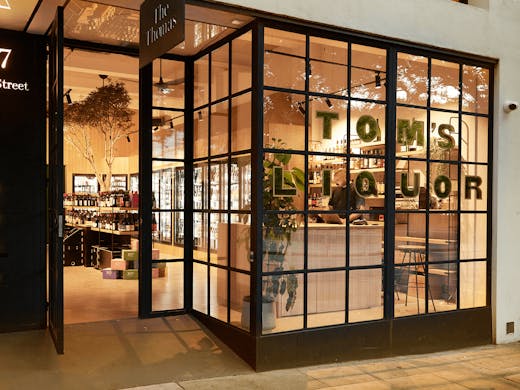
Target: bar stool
415	256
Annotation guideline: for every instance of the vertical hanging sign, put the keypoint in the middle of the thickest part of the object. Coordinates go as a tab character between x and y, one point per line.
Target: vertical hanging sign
161	28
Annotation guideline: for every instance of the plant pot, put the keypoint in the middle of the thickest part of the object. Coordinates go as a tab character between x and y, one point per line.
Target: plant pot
268	314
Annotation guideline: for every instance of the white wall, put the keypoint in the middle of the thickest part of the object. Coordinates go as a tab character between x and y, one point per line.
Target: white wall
493	31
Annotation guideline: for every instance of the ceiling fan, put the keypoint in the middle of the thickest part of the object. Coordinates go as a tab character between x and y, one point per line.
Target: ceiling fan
165	87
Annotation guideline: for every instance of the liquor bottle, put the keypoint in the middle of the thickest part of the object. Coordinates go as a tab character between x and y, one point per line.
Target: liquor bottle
154	223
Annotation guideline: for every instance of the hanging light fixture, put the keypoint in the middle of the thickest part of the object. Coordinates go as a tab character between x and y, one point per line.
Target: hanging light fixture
301	108
329	103
67	96
171	123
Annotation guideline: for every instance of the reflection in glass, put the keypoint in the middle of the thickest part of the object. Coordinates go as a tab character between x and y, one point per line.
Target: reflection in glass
474	139
442	280
443	181
241	182
365	298
365	244
409	290
278	251
444	85
168	84
443	228
284	59
241	66
473	284
326	246
286	311
200	133
240	241
328	66
219	295
444	136
284	118
411	186
200	288
200	236
368	79
475	89
201	83
167	286
219	72
474	187
411	132
328	126
241	123
473	236
325	298
218	223
200	186
219	128
239	299
412	79
168	135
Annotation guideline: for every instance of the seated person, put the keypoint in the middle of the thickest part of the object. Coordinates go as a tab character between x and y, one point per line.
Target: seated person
338	199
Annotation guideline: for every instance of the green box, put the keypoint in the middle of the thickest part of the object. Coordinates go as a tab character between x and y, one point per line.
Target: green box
158	265
129	255
130	274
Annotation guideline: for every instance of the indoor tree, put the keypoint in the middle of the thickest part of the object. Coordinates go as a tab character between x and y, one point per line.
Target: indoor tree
104	112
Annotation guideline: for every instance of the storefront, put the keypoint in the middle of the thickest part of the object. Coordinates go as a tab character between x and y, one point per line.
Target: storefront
277	135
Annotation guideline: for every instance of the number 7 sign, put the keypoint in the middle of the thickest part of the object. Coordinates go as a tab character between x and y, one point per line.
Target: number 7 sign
7	54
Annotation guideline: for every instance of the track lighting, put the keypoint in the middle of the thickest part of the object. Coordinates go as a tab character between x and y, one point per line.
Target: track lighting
378	80
67	96
171	123
155	128
200	115
301	108
329	103
128	138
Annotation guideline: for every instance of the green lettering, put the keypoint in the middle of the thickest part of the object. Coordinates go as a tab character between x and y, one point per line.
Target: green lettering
407	134
283	185
365	184
405	189
326	175
367	128
442	186
472	183
327	122
449	140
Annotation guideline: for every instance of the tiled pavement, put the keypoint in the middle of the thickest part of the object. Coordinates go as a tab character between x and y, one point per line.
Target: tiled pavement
177	353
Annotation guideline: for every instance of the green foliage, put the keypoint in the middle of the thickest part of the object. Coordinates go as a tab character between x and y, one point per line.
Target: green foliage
277	228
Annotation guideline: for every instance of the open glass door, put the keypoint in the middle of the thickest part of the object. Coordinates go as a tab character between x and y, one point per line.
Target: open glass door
56	181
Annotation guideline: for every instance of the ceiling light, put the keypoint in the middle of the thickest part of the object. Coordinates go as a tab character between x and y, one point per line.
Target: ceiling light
67	96
236	22
200	115
301	108
4	4
128	138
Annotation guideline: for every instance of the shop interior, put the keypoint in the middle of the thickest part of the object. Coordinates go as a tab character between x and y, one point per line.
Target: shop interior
102	194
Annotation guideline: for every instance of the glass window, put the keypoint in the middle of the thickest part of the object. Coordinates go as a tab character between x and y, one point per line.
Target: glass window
326	298
168	84
284	119
220	73
328	66
241	67
201	82
473	285
200	133
444	85
365	301
473	236
241	123
368	73
284	59
475	89
412	79
167	286
200	287
168	135
474	139
219	143
219	293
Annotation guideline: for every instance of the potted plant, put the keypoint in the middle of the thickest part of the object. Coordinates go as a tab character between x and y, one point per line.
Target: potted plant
282	183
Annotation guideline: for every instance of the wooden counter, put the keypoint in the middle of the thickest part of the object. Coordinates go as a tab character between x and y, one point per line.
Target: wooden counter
326	249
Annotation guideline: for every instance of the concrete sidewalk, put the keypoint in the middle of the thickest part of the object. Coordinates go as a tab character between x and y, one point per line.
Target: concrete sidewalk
178	353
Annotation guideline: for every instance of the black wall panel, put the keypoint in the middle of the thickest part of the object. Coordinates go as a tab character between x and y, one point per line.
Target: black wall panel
22	181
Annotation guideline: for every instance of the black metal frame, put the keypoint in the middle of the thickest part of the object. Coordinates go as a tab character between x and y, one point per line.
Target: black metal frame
265	351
